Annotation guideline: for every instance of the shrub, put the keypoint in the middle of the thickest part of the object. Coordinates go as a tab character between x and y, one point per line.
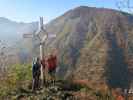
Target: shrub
17	76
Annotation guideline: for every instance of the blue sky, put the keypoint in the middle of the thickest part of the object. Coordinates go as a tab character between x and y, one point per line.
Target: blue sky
30	10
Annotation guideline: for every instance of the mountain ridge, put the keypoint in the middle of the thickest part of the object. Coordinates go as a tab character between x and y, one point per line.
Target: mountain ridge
77	29
12	31
87	38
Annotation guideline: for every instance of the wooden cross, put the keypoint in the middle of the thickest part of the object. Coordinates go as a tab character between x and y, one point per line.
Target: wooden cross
42	40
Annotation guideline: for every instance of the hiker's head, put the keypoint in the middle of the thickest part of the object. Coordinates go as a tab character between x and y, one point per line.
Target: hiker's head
36	60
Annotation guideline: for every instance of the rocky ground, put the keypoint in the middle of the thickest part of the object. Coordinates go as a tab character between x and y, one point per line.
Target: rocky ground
60	90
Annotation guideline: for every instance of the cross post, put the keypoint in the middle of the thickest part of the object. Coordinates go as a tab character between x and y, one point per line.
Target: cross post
42	40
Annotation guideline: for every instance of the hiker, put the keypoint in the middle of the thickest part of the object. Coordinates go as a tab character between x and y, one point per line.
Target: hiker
52	64
36	74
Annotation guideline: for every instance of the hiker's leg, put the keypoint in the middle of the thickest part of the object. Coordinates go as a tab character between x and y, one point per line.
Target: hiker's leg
44	78
37	82
53	77
33	84
40	84
49	76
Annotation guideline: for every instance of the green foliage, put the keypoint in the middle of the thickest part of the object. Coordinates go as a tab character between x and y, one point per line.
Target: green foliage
23	72
17	76
104	96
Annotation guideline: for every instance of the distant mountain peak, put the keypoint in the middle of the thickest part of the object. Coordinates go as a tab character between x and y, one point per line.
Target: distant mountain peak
4	19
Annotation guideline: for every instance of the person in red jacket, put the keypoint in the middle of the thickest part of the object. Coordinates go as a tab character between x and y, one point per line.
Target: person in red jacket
52	64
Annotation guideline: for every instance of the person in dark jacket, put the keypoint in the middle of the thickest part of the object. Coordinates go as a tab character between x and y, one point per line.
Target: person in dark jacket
36	72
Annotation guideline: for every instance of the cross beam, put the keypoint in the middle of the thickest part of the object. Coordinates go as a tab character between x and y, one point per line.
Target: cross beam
42	40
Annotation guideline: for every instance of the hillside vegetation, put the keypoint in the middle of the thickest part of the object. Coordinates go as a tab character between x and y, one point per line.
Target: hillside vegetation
88	39
93	47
